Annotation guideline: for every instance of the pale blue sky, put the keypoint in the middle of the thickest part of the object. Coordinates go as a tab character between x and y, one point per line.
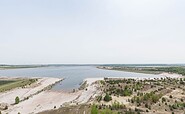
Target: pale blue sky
92	31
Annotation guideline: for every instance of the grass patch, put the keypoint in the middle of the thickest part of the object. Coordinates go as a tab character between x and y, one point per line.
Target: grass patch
6	85
3	82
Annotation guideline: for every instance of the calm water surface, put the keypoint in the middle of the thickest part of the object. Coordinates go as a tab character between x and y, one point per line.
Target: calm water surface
74	75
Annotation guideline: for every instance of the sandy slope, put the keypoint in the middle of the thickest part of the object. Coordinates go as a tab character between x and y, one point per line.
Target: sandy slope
9	96
171	75
89	92
49	99
46	100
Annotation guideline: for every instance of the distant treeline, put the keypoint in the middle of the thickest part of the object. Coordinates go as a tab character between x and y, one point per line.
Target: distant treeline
148	69
20	66
144	65
177	70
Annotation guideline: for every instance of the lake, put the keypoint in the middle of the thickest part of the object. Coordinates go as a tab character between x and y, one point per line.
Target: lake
74	75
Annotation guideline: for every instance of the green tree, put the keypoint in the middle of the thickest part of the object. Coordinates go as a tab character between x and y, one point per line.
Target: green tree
107	97
17	100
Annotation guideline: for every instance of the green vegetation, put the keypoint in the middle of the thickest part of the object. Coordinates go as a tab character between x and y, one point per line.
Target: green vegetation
107	97
177	70
99	98
126	92
102	82
147	98
107	111
116	106
20	66
94	110
116	87
3	82
17	100
6	85
143	97
149	70
179	105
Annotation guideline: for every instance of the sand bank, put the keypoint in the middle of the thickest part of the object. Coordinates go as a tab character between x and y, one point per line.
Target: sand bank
8	97
89	92
22	93
171	75
49	99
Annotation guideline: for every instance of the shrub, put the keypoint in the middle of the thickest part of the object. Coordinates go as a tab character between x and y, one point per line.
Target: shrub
116	105
107	97
127	92
163	99
17	100
146	105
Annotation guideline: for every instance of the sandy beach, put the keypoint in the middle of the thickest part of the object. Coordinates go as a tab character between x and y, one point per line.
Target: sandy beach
89	92
34	89
171	75
9	96
48	99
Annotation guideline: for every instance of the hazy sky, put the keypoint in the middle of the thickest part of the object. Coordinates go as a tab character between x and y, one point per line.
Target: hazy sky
92	31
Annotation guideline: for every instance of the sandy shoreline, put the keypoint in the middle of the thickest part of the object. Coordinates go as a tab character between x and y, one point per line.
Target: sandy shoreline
8	97
48	99
171	75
